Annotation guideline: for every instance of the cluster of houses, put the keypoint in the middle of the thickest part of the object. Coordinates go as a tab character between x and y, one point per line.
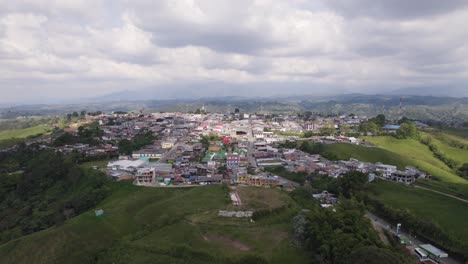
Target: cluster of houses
214	148
299	161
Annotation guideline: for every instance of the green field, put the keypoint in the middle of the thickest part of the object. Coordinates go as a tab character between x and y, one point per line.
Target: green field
418	155
460	155
458	132
161	225
23	133
345	151
450	214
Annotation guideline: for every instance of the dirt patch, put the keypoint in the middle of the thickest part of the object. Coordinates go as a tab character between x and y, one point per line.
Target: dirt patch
226	241
381	233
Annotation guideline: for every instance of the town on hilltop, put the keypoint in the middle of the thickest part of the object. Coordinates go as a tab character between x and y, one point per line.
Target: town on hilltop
188	149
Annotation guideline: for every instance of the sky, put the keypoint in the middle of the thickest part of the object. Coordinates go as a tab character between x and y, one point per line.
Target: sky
59	50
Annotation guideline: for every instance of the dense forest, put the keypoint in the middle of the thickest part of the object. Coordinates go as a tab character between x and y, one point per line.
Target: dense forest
42	188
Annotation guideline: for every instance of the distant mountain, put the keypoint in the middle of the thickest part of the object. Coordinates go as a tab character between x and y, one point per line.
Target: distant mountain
221	89
432	91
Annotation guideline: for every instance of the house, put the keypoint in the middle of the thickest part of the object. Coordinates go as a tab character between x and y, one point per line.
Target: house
232	160
402	177
386	170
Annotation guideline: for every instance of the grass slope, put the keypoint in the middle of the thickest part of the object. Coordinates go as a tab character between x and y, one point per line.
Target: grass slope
158	225
345	151
448	213
417	155
460	155
24	132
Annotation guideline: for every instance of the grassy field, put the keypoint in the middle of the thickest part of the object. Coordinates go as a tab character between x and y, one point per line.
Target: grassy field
419	156
448	213
460	155
345	151
458	132
23	133
160	225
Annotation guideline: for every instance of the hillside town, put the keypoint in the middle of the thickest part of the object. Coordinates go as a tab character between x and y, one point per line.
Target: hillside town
184	149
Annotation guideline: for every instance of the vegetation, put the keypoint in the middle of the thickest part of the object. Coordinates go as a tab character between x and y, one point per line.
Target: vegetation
158	225
430	215
345	151
418	155
330	236
407	130
49	190
127	147
298	177
88	134
24	132
451	163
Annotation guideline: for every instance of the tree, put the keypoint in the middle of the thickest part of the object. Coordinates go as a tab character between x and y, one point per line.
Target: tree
74	114
352	183
327	129
407	130
372	127
379	120
125	146
345	128
236	110
404	120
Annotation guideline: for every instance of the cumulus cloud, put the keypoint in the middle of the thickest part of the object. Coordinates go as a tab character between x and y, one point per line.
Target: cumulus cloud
84	48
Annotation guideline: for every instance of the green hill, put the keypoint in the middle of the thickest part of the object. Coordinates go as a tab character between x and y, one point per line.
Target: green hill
161	225
345	151
417	155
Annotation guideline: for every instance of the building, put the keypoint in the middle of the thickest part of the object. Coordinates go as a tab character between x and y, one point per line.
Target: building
258	180
168	143
433	252
152	173
402	177
126	165
386	170
145	176
232	160
152	153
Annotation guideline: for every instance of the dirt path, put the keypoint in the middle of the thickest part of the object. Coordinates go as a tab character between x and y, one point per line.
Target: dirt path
379	231
446	194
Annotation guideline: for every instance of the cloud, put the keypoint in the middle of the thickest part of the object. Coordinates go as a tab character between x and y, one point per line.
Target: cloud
62	49
395	9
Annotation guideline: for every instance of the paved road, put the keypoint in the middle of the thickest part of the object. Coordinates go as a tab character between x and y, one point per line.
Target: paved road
169	155
445	194
251	148
413	240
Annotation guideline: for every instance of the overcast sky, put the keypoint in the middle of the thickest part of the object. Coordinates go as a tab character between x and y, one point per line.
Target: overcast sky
59	49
